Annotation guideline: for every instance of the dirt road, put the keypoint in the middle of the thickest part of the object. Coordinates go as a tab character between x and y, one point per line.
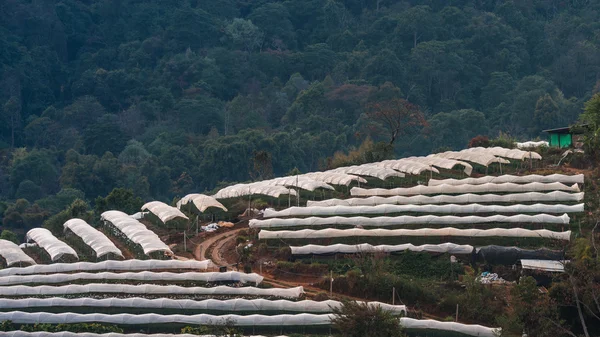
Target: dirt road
214	244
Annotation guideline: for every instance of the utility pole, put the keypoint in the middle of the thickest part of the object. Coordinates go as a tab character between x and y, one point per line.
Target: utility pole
330	283
184	242
456	319
393	295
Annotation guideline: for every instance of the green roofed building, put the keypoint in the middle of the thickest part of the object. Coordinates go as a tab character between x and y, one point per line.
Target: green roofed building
565	137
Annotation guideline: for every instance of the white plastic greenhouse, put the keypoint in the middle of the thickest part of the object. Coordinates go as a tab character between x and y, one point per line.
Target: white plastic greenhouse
384	221
92	237
163	211
448	164
20	317
483	159
146	290
335	178
507	178
369	170
201	201
147	276
450	248
136	232
128	265
20	333
503	152
449	231
13	254
556	196
53	246
407	166
461	189
450	208
238	304
241	190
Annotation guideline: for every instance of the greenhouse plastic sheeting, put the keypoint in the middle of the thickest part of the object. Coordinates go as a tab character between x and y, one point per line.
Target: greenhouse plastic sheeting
92	237
128	265
201	201
367	248
448	231
335	178
450	208
511	255
148	276
532	144
19	333
238	304
483	159
461	189
53	246
163	211
384	221
544	265
505	153
369	170
20	317
467	329
136	232
556	196
507	178
147	289
444	163
13	254
242	190
407	166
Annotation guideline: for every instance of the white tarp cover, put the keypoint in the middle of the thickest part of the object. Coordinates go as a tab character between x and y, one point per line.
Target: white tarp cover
448	231
136	232
128	265
467	329
556	196
506	153
532	144
242	190
367	248
483	159
13	254
507	178
20	333
444	163
335	178
148	276
238	304
384	221
369	170
201	201
20	317
47	241
147	289
461	189
450	208
163	211
544	265
92	237
407	166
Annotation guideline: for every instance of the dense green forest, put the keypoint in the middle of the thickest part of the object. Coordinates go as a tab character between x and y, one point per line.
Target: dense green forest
167	97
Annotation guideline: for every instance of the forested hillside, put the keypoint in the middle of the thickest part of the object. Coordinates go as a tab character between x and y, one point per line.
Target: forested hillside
167	97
